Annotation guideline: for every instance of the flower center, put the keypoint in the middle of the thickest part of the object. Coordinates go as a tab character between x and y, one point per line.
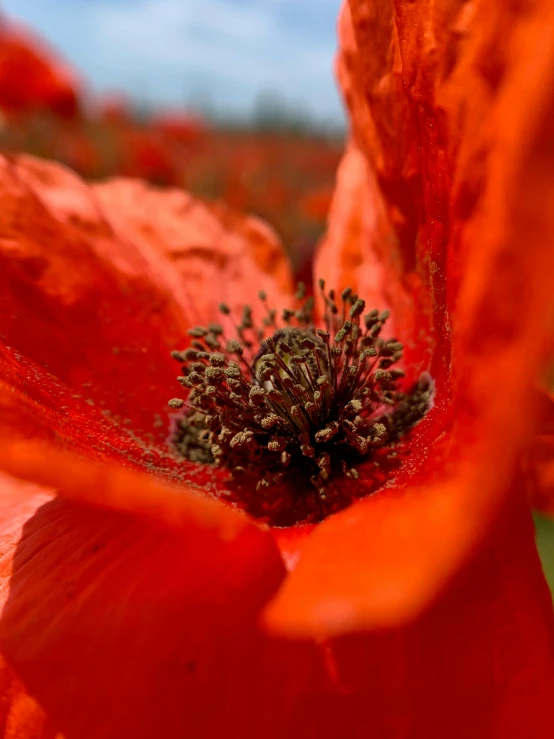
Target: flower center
292	409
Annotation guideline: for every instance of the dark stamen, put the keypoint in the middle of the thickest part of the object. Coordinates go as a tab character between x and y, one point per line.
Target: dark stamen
302	405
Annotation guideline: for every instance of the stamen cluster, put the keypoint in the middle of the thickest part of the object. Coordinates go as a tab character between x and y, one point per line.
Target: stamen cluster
285	396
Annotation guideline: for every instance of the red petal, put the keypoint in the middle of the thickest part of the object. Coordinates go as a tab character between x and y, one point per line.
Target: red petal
21	717
291	542
113	486
358	252
480	663
392	555
395	231
48	411
216	255
121	625
100	283
346	254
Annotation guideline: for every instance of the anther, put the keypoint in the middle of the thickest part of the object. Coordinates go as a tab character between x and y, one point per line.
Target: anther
182	356
277	444
214	374
217	360
288	402
233	370
357	309
197	332
233	347
256	396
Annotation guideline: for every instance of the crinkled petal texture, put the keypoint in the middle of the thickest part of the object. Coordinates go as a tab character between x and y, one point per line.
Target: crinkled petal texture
447	187
98	285
131	607
136	620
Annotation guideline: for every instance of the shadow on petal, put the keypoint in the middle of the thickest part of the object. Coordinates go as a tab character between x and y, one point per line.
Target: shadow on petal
118	626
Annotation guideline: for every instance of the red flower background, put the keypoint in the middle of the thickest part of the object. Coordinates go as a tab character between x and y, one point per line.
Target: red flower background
135	606
284	176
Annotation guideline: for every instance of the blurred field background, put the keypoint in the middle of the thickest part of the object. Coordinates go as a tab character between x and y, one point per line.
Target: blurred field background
272	159
281	172
200	94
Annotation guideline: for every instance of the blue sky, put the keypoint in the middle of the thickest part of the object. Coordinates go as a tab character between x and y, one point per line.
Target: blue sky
219	52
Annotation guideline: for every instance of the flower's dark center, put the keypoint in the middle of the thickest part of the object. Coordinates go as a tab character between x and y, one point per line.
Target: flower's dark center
286	402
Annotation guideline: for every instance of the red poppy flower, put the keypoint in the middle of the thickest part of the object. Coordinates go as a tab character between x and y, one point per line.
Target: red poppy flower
31	78
134	605
114	109
144	154
180	126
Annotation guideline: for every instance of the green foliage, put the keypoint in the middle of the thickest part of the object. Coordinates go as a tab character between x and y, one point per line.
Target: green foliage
544	528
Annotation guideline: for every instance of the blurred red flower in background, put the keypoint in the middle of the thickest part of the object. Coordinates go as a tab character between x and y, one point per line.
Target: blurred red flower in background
135	606
272	173
32	78
181	127
114	110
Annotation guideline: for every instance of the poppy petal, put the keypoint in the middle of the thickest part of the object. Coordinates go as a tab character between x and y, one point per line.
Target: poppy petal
48	411
358	251
121	625
382	245
115	487
20	714
479	663
291	541
217	254
344	256
393	554
101	627
100	282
